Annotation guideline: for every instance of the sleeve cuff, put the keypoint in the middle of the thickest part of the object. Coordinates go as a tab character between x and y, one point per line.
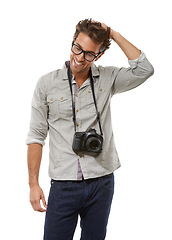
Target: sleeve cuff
30	141
134	63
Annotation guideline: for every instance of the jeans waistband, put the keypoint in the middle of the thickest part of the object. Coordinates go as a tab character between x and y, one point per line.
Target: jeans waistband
89	179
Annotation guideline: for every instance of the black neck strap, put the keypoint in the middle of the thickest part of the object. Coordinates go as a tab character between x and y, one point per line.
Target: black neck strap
93	93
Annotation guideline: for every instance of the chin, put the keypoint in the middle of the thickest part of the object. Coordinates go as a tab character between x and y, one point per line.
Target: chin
76	68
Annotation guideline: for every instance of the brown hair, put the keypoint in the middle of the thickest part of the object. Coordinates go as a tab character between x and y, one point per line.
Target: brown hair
95	31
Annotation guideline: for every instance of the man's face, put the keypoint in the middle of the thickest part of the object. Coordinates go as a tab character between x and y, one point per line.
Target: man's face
78	63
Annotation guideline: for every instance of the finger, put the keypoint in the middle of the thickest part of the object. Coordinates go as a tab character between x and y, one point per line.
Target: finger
44	201
41	210
104	25
37	206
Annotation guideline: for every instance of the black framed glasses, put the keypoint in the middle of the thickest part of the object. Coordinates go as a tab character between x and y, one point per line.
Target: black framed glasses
89	56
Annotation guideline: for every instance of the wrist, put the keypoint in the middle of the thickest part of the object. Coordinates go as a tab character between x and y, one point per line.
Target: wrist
32	186
114	35
33	183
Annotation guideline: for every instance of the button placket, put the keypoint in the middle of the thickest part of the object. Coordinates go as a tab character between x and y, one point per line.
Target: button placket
77	110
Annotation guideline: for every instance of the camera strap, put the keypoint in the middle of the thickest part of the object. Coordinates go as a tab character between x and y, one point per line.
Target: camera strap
69	73
93	93
95	103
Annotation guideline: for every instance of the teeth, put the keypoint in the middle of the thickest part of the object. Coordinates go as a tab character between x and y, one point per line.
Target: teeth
78	62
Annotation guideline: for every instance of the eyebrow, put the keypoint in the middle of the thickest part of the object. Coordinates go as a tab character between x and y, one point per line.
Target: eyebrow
86	51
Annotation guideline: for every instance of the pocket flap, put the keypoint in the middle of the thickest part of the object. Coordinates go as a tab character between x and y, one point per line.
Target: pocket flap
60	97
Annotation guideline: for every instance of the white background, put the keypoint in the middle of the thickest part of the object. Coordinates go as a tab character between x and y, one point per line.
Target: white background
35	39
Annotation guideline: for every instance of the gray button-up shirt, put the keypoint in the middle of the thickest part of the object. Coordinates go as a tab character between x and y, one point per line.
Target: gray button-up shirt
52	112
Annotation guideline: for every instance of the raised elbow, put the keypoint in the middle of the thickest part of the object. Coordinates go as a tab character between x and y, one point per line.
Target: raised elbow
150	71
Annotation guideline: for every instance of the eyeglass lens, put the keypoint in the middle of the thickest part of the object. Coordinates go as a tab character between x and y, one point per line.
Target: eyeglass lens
87	55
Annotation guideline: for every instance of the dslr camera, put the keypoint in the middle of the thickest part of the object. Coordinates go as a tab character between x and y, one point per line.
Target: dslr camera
88	142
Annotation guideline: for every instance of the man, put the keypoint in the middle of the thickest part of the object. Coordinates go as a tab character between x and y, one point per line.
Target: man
82	183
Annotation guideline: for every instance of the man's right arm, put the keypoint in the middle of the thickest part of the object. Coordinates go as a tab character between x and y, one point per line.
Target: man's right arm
35	141
34	156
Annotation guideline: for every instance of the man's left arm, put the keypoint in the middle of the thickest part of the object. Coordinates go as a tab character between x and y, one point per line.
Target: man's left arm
128	48
140	68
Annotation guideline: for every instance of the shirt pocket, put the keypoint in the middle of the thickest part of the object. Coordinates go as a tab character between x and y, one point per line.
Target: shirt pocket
59	106
100	95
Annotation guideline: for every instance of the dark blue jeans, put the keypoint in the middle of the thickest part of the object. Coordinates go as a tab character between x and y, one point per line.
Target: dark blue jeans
90	199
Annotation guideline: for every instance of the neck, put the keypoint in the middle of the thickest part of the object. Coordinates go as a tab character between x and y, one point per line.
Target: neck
82	76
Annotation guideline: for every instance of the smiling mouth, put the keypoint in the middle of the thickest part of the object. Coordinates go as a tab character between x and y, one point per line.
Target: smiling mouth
77	63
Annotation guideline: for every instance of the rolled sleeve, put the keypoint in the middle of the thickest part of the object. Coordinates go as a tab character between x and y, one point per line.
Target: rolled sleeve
39	112
134	63
128	78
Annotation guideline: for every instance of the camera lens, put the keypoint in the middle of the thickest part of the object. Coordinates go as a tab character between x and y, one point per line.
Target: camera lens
93	144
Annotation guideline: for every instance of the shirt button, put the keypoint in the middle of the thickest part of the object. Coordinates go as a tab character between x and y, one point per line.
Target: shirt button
101	90
77	124
76	95
61	98
77	110
89	91
80	156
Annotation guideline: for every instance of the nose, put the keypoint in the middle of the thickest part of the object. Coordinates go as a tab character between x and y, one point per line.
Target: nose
80	57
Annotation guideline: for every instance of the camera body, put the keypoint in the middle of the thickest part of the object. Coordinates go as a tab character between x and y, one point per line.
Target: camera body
88	142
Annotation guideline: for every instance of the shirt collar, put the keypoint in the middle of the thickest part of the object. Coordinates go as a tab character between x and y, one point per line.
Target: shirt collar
94	69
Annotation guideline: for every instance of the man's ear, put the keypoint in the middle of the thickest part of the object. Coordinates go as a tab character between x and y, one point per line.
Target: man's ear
99	56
